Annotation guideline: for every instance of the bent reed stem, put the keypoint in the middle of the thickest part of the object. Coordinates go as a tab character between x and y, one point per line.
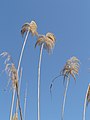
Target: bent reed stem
39	71
65	93
85	102
19	63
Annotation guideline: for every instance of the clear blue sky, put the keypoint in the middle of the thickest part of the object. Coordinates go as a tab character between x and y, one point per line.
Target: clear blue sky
69	20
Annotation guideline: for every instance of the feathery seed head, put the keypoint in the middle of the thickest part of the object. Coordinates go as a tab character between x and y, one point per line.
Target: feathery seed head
71	67
14	75
51	36
10	68
8	57
48	40
31	27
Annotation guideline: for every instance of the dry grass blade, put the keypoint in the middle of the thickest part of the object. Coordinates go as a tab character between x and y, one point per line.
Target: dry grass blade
48	40
87	100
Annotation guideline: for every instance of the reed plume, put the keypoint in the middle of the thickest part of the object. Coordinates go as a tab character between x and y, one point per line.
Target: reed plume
13	76
26	28
71	68
47	42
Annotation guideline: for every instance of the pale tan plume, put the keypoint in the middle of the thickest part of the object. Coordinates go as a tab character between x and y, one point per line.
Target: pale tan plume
71	68
13	76
31	27
48	40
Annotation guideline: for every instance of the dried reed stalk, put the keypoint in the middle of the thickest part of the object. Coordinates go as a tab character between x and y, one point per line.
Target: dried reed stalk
13	76
87	100
71	68
26	28
25	103
46	42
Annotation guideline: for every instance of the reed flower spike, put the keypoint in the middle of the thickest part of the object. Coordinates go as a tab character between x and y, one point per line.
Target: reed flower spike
48	40
71	68
13	76
27	28
87	101
31	27
44	41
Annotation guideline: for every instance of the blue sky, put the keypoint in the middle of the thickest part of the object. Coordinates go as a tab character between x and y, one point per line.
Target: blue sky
70	22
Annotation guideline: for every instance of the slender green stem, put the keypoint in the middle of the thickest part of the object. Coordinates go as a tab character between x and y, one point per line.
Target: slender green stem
39	68
65	93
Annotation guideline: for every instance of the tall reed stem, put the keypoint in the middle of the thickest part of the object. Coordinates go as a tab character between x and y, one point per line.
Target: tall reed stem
23	47
85	102
65	93
39	71
25	103
11	109
19	63
19	89
18	98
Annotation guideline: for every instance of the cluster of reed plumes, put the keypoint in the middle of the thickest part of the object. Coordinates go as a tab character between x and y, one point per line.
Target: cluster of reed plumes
45	42
70	69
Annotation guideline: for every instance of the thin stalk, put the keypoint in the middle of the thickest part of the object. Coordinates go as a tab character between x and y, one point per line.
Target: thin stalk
85	104
65	93
19	63
39	68
12	104
23	47
18	70
25	103
18	98
19	90
52	84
